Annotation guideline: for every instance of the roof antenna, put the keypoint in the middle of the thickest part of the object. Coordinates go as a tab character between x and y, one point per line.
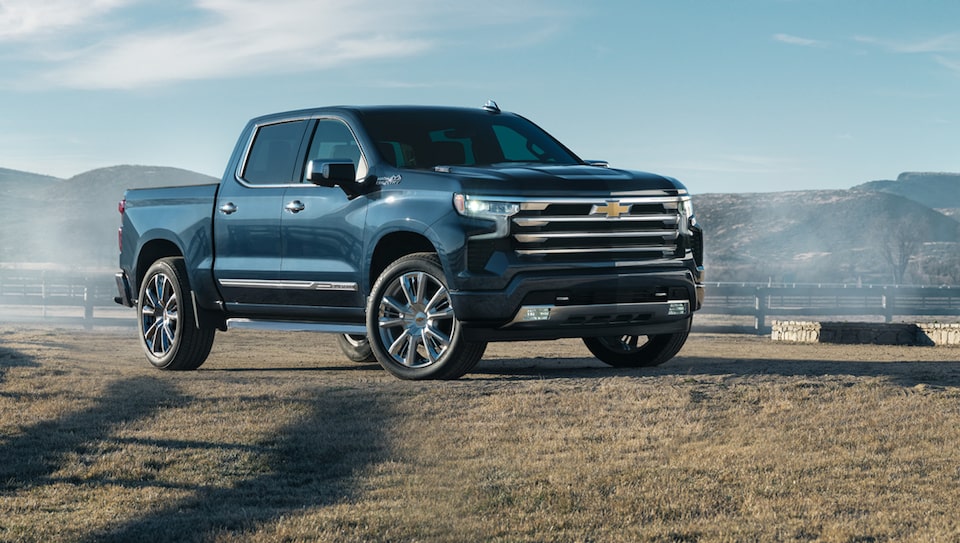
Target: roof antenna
491	106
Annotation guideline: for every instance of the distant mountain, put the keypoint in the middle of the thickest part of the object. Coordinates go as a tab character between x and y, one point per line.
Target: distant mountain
937	190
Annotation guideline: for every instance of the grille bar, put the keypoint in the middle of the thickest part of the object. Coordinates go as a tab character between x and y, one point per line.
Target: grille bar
663	234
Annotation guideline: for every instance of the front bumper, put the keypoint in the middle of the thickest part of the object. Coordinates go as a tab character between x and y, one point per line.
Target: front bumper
550	307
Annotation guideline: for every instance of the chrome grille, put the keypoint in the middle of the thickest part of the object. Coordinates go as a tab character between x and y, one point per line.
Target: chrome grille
634	228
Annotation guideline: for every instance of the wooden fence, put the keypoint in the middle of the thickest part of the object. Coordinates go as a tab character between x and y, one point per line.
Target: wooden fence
50	289
764	302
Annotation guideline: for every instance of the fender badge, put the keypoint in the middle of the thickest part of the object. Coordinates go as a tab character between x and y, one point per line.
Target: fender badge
392	180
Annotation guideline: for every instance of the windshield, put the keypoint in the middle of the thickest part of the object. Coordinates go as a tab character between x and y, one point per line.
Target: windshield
425	138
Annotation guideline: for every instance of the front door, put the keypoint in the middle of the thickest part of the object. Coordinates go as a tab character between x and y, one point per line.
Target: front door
322	230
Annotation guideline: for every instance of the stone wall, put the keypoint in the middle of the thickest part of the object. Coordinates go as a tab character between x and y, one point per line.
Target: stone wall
866	333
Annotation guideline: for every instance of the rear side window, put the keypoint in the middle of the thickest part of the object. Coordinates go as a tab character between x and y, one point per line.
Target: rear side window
273	155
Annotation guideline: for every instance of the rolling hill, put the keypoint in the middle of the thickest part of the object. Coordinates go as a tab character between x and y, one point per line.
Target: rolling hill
73	222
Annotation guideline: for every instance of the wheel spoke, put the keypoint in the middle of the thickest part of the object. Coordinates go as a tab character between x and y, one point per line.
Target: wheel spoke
408	285
439	300
435	342
393	305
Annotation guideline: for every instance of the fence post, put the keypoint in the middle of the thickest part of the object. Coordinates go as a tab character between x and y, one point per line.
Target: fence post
759	306
889	301
87	306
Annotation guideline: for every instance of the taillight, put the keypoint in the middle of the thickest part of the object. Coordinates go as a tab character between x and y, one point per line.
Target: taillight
122	206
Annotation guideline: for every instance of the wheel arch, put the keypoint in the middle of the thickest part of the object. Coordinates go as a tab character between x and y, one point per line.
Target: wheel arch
158	248
393	246
152	251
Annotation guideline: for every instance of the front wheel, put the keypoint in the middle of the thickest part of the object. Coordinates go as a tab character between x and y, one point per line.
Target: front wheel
168	333
411	325
637	351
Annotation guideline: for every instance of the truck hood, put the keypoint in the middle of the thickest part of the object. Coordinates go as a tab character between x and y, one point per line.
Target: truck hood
539	179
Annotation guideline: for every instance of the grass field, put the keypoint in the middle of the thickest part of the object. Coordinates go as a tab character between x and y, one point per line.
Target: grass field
279	438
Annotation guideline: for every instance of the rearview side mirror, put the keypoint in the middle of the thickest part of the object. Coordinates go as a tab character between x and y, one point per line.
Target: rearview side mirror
334	174
329	174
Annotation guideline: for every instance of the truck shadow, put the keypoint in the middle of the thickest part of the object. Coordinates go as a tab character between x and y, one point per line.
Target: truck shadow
306	464
904	373
12	358
29	458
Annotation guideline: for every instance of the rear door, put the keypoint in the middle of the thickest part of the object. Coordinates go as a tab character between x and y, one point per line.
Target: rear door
248	214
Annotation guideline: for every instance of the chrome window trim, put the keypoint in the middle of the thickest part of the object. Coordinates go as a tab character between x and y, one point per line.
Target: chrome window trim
238	173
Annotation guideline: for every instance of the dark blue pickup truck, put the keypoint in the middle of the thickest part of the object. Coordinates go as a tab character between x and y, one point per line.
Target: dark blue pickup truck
417	235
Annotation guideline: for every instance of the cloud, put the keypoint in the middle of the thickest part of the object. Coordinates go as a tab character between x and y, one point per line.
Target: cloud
796	40
951	64
945	43
28	19
241	37
937	47
126	44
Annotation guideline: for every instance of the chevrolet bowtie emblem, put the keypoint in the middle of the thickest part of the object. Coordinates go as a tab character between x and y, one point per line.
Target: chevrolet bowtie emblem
612	210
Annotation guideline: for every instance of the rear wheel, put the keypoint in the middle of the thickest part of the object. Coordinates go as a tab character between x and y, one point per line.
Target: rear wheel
356	347
168	332
637	351
412	328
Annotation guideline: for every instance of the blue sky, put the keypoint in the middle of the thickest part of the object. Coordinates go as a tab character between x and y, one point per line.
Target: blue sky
734	96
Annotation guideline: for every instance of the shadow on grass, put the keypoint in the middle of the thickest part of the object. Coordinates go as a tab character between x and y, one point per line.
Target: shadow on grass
307	464
906	373
28	459
12	358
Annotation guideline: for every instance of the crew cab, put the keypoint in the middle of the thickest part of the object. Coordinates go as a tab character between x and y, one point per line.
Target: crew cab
417	235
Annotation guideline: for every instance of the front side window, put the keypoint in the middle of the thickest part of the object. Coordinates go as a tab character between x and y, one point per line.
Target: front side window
273	155
334	142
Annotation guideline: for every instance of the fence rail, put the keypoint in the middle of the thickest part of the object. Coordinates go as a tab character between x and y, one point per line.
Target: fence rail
772	301
48	288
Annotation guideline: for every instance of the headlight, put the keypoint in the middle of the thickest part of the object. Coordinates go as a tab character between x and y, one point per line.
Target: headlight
481	208
685	207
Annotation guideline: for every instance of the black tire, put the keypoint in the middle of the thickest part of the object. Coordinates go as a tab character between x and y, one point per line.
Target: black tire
356	347
168	332
412	328
637	351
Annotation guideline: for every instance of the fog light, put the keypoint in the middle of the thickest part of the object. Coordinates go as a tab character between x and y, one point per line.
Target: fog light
536	314
676	308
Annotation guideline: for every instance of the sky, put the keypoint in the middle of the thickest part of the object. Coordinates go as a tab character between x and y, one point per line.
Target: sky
727	96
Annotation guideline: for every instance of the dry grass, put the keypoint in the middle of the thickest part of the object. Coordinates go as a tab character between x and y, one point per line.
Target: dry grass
277	438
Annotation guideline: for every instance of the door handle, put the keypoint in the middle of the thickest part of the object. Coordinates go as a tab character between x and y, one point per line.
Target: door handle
228	208
295	206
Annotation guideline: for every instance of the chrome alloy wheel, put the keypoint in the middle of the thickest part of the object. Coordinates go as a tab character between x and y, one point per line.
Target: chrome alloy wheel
159	315
416	321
